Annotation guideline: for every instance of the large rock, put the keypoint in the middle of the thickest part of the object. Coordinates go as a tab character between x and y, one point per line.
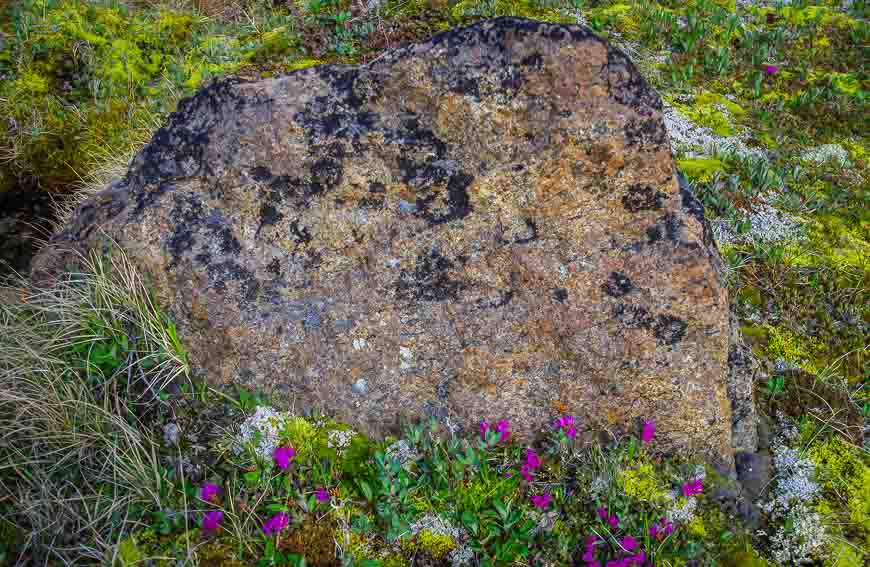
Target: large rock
487	225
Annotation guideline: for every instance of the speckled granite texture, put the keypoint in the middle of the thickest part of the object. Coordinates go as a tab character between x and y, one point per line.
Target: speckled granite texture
487	225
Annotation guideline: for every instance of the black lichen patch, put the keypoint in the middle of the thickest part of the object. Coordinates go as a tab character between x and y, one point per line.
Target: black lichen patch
531	233
617	285
186	215
641	197
375	198
327	171
300	233
560	294
269	215
626	85
458	201
504	297
693	206
668	227
430	280
669	330
176	150
633	316
146	196
649	134
221	273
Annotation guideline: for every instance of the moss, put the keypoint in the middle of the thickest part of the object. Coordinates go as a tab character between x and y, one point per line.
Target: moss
800	351
700	169
640	483
435	546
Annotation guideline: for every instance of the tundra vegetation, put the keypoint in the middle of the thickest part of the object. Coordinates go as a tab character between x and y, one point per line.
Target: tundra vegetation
112	453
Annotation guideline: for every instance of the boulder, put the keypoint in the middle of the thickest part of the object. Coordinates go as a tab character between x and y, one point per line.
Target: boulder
487	225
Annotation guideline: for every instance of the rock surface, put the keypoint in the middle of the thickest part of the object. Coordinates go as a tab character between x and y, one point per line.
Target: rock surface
487	225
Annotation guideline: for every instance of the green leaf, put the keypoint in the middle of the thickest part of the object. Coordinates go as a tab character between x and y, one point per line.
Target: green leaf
366	490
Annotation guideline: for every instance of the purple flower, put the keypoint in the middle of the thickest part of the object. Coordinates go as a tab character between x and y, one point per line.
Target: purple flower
638	558
628	543
209	491
589	555
532	459
322	495
592	539
509	474
484	425
693	487
541	501
211	520
653	531
771	69
276	523
594	564
602	512
283	456
525	473
571	433
613	520
565	421
649	430
503	427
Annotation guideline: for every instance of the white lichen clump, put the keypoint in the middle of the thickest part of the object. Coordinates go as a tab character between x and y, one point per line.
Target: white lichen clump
801	535
260	432
339	439
766	225
826	153
700	141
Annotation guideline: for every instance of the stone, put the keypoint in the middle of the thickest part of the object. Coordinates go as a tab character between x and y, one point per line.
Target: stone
171	434
495	211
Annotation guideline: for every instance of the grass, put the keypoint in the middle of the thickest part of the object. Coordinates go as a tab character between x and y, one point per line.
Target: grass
82	364
91	369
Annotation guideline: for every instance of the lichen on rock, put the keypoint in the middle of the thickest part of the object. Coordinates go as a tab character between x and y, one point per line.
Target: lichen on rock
482	226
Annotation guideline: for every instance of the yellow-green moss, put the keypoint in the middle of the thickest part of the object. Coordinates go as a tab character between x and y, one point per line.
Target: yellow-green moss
800	351
434	545
700	169
640	483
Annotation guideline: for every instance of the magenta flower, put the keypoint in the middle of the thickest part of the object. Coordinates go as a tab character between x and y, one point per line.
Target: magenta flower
649	430
209	491
628	543
653	531
484	425
532	459
503	427
525	472
693	487
509	474
613	520
589	555
571	433
602	512
212	520
639	558
322	495
771	69
283	456
276	523
541	501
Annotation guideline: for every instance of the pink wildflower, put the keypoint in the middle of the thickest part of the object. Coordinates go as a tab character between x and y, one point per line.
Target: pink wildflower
211	520
602	512
532	459
771	69
322	495
283	456
653	531
542	501
525	472
484	426
276	523
209	491
613	520
503	427
649	430
571	433
629	543
639	558
693	487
